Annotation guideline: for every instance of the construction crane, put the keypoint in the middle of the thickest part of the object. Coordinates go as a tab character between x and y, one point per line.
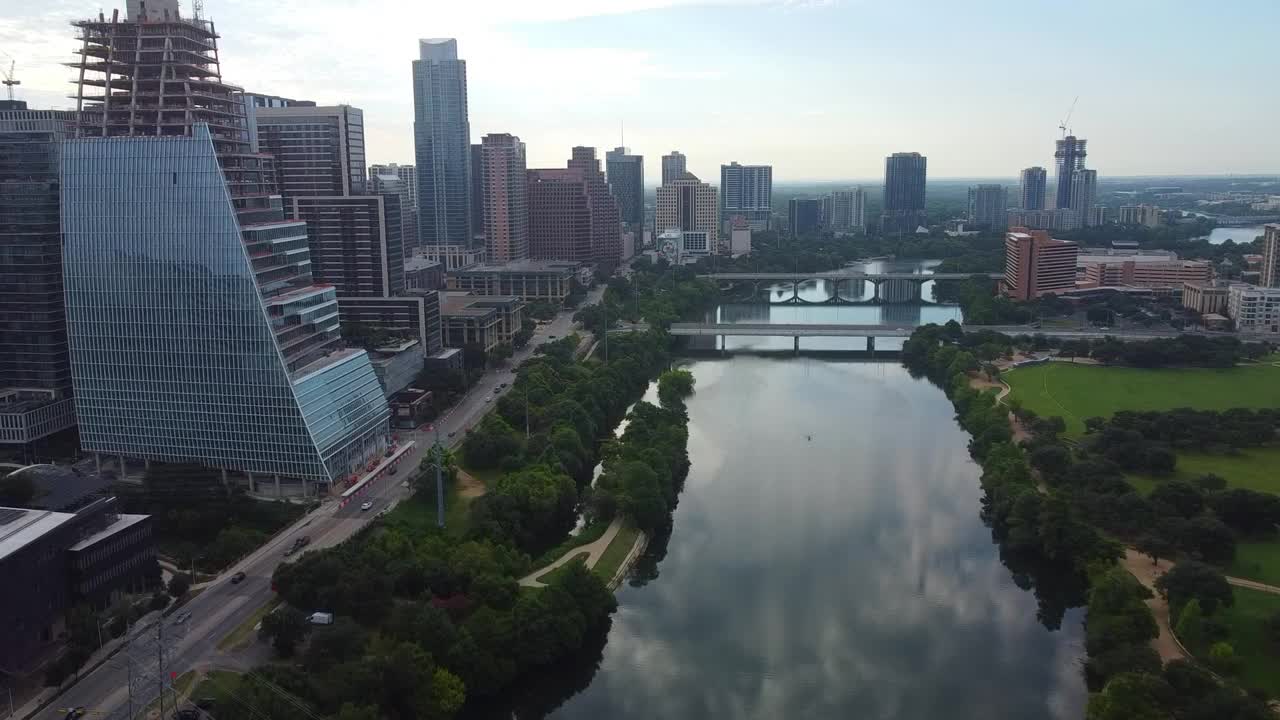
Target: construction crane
9	77
1063	125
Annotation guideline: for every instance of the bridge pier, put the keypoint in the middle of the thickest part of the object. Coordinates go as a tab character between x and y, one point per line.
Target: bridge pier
871	343
724	343
797	343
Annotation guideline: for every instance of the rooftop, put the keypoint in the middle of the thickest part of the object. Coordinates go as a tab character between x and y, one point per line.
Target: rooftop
417	262
122	521
62	488
20	527
525	266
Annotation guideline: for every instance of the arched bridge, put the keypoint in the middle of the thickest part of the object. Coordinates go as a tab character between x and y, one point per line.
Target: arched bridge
889	287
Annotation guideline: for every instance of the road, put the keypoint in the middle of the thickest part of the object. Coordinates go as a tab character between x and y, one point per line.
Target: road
223	606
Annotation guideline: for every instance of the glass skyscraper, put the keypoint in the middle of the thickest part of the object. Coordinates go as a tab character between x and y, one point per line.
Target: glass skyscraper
442	140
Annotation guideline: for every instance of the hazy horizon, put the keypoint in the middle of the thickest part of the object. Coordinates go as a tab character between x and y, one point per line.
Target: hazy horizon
822	90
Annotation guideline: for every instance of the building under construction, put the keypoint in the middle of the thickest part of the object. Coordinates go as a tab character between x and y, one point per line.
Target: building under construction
196	331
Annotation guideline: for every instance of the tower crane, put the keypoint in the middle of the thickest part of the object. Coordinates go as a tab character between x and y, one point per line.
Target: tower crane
1063	125
10	79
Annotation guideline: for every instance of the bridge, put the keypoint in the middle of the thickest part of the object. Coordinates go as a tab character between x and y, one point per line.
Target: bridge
889	287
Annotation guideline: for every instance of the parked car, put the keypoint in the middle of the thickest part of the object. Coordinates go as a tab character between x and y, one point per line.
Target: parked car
452	433
320	618
366	506
237	578
182	617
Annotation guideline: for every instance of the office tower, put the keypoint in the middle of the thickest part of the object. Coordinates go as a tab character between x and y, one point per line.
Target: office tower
746	191
1032	189
35	371
1271	256
573	215
1036	264
196	333
407	175
673	166
987	206
804	216
1068	159
404	179
252	102
625	173
904	178
477	188
506	211
606	220
442	142
317	150
844	210
356	243
1084	194
687	204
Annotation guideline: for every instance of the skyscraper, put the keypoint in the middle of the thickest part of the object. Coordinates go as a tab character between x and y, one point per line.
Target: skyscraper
356	241
688	204
804	216
1271	256
606	222
1084	194
1032	189
987	204
196	334
625	173
573	214
442	141
1068	158
317	150
35	371
477	188
506	211
403	180
673	166
904	179
746	191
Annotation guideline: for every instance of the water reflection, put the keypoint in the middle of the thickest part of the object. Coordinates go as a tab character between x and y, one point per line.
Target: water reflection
846	575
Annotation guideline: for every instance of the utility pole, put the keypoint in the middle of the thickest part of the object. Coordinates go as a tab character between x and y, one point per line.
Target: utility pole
605	303
438	452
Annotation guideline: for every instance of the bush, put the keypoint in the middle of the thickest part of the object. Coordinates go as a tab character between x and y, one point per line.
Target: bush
179	584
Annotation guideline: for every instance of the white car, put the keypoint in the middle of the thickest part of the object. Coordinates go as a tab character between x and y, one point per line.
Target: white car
488	399
367	505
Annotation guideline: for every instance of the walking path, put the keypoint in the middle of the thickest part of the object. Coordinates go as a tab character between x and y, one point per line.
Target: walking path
592	550
1141	567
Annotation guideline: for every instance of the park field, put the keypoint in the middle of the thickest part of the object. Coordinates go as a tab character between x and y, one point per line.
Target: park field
1076	391
1246	630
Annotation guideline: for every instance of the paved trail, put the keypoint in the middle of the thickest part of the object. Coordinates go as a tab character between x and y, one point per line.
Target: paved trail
592	550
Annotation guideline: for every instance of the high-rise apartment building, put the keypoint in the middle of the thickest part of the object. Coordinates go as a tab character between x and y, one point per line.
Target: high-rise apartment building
1271	256
1254	309
673	166
746	191
403	181
688	204
1036	264
318	150
252	102
357	243
845	210
35	371
1032	188
987	206
804	216
196	333
573	215
506	210
1084	194
477	188
1069	158
442	142
606	222
625	173
904	180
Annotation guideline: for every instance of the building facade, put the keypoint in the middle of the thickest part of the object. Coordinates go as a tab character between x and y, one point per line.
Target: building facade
416	314
1142	272
403	181
506	207
1254	309
1206	298
573	216
531	280
1148	215
746	191
1084	195
485	322
625	174
904	183
1049	219
196	335
318	150
606	220
987	206
1270	267
845	210
1036	264
1031	188
354	247
689	204
804	216
36	395
442	144
673	166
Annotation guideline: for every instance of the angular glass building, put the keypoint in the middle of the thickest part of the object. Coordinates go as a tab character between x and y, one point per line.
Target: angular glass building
196	331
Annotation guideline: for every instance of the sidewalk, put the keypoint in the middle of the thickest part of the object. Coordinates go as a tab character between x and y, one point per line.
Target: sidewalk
592	550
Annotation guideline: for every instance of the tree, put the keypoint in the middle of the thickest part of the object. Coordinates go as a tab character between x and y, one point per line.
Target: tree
1190	580
674	386
16	490
1211	482
1155	546
179	584
1222	657
350	711
1178	497
1131	696
286	627
501	351
1190	628
1246	511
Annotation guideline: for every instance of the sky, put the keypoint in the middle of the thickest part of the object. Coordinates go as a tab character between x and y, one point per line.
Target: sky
820	89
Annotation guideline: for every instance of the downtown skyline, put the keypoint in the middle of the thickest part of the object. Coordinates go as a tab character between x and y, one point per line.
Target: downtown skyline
530	67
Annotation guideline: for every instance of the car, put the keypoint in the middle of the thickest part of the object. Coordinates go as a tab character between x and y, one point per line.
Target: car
551	337
489	399
237	578
368	504
182	617
452	433
303	540
392	471
502	385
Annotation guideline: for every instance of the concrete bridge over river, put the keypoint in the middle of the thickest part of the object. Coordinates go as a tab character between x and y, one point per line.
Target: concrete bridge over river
888	287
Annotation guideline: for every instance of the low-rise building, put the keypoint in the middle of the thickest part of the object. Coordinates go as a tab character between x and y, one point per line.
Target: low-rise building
1254	309
423	274
486	321
548	281
1141	270
1205	298
397	365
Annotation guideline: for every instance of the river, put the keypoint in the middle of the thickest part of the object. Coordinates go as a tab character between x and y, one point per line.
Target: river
827	559
1219	235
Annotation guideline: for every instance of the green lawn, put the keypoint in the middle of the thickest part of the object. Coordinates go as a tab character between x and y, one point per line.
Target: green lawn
617	551
1075	392
1257	561
1252	468
418	512
243	634
1259	659
220	686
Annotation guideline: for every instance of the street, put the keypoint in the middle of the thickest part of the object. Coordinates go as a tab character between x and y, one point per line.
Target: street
223	606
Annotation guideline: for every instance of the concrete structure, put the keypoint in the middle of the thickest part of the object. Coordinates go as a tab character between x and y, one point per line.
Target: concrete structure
1148	215
845	210
1031	188
403	181
442	143
1036	264
673	166
1270	262
1254	309
904	192
1069	155
740	240
452	257
1141	270
532	280
625	174
506	208
354	247
200	338
1084	195
486	322
35	369
423	274
573	216
804	216
318	150
1206	298
987	205
53	561
688	204
746	191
